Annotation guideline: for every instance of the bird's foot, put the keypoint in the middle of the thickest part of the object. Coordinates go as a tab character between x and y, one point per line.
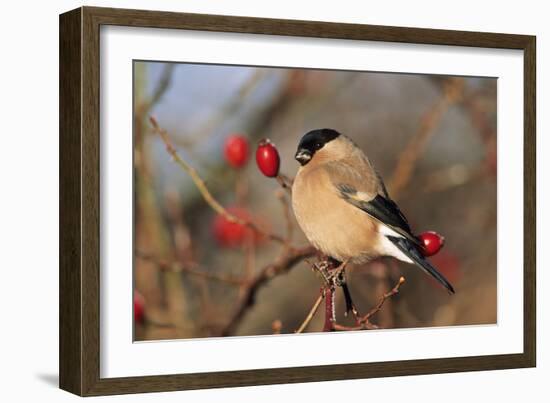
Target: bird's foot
333	276
338	274
323	268
339	280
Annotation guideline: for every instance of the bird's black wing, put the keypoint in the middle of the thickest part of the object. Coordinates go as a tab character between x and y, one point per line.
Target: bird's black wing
405	246
380	208
368	193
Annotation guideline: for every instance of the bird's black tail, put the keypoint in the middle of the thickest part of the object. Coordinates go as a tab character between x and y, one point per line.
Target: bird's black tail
411	250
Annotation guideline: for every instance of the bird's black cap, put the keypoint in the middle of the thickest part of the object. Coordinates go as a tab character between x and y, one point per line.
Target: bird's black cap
313	141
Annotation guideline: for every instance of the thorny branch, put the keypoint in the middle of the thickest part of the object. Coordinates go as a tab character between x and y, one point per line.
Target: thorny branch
327	293
249	288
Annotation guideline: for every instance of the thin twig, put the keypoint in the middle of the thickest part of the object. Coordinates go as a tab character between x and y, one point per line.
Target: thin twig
387	295
285	182
363	322
312	312
201	186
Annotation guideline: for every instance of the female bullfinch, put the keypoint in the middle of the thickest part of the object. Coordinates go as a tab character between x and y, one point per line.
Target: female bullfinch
343	208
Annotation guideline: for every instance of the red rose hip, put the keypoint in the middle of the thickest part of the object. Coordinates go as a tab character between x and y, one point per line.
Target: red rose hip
432	242
267	158
236	150
139	308
231	234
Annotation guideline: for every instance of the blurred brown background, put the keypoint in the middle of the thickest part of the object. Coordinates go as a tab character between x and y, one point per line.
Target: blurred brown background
433	139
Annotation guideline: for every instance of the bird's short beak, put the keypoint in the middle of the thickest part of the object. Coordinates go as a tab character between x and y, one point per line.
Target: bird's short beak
303	156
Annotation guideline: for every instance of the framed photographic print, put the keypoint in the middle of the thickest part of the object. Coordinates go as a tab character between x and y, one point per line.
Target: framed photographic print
251	201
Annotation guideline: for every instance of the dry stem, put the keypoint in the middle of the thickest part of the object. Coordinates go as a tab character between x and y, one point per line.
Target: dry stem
363	322
285	182
201	186
312	312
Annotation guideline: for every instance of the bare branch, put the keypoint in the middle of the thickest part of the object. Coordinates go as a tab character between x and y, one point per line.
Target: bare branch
363	322
312	312
201	186
285	182
282	265
387	295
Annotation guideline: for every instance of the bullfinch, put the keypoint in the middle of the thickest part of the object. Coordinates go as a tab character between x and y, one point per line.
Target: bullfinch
343	208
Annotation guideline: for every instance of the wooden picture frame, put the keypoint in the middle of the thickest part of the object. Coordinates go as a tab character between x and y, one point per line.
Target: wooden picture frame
80	200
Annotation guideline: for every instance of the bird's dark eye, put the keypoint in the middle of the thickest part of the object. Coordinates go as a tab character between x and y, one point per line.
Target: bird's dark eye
318	146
